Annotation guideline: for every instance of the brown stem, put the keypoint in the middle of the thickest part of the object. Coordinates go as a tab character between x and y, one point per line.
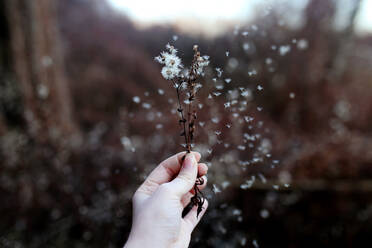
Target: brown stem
198	199
180	110
188	126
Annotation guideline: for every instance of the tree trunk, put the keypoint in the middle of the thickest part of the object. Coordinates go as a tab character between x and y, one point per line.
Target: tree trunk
32	59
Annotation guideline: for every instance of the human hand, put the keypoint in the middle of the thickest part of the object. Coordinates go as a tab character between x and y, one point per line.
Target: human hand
159	201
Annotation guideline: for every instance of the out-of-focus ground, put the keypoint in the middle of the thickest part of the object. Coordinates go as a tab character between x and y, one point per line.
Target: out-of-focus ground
75	143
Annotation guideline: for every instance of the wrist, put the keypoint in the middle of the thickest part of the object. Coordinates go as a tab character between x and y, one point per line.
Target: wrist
142	242
133	243
137	242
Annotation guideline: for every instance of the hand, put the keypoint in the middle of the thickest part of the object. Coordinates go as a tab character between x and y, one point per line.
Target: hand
159	201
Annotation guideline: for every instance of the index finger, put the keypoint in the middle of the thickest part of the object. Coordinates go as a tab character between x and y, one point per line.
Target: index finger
165	172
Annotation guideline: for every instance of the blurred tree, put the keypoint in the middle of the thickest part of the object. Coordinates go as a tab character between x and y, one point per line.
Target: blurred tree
32	72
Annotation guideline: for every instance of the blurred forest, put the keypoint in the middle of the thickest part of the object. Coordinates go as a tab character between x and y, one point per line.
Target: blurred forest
74	145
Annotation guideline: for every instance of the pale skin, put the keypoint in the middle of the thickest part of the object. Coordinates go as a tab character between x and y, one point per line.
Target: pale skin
158	204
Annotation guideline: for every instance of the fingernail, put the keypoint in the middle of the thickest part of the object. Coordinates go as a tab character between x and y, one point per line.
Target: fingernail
190	161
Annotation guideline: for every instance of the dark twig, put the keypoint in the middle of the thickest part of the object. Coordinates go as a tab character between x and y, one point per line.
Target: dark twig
171	71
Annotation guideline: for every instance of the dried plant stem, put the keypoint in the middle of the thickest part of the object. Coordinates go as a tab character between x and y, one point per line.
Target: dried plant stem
188	133
183	120
189	126
171	71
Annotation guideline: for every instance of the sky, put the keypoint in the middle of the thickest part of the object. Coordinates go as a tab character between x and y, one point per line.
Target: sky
364	18
206	15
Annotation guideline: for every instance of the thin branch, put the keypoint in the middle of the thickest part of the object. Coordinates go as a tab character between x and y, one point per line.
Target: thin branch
180	110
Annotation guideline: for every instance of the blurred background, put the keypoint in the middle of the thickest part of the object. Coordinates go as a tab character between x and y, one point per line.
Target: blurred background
285	116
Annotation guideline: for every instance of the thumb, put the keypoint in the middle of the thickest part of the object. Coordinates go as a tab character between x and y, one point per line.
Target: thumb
186	178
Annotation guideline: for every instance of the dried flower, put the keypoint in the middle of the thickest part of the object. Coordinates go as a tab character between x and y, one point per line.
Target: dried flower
172	63
185	82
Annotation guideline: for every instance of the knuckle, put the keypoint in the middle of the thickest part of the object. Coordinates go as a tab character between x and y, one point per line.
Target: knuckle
205	180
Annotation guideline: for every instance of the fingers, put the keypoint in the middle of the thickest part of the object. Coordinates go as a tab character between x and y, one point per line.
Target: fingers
185	180
202	186
192	219
187	197
202	169
165	172
174	163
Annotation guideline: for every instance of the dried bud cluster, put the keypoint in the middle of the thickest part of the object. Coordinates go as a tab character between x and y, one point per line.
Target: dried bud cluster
185	81
172	63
